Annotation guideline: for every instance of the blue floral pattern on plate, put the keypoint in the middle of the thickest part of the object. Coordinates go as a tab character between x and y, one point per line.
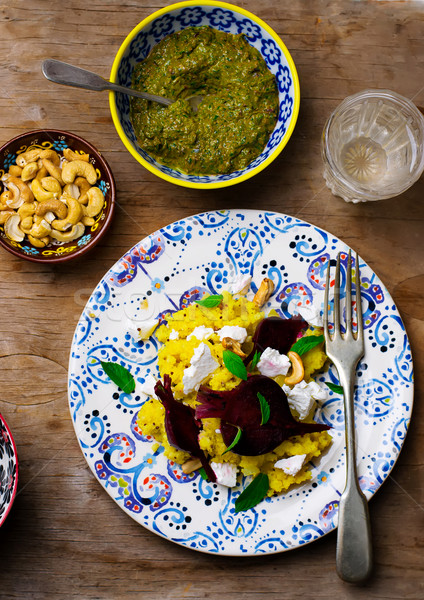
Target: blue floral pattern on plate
229	21
170	269
8	470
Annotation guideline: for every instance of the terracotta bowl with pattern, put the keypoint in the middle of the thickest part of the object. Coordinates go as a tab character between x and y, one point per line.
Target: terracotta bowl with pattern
89	231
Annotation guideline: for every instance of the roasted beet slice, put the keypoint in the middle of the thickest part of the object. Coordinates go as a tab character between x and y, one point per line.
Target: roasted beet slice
180	425
277	333
240	408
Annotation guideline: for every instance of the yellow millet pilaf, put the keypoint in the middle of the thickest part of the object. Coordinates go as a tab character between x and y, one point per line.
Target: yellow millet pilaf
174	357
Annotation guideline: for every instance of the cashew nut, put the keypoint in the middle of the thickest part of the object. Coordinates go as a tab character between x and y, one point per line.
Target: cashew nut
264	292
5	197
298	371
77	168
5	214
12	229
76	232
15	170
54	205
192	464
233	345
73	190
29	171
21	192
51	155
51	184
88	221
54	171
71	155
74	215
26	224
27	210
83	186
39	230
39	192
28	156
38	242
95	202
42	172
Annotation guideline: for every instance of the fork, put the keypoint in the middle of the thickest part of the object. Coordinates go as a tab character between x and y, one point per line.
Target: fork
354	549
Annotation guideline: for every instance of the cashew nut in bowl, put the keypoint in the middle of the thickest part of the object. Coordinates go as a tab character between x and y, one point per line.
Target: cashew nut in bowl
71	155
5	214
39	192
12	229
95	202
83	187
74	214
15	170
29	171
38	242
54	171
51	184
51	155
72	189
42	172
26	224
27	210
42	208
28	156
68	236
39	230
80	168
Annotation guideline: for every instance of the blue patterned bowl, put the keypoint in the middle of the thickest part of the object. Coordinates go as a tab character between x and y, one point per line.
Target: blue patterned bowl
59	252
8	470
225	17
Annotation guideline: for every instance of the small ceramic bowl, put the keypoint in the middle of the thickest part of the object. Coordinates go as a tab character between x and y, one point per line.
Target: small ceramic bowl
8	470
224	17
59	252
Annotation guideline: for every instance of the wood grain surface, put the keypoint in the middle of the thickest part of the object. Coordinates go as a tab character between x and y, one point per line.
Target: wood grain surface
66	538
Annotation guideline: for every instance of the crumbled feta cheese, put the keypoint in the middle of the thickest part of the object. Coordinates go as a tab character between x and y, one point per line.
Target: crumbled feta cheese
141	330
303	395
291	465
226	473
311	314
174	335
202	364
241	284
239	334
147	388
272	363
201	333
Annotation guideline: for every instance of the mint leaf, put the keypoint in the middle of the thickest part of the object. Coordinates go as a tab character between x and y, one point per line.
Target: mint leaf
119	375
210	301
265	410
337	389
253	494
203	474
234	364
234	442
256	358
306	343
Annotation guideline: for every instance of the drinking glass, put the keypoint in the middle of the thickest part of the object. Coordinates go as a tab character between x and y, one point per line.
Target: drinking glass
373	146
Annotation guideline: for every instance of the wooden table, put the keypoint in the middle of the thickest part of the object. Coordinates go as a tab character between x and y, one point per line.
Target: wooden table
65	537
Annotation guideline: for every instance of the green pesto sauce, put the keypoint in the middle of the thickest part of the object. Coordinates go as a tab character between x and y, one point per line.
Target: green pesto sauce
233	122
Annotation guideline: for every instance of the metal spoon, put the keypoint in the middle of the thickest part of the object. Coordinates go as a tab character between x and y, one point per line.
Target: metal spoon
66	74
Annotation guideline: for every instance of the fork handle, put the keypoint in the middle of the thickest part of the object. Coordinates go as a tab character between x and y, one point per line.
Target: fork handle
354	547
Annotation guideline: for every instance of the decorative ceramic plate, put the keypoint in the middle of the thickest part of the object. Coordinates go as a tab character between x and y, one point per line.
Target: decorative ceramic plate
8	470
171	268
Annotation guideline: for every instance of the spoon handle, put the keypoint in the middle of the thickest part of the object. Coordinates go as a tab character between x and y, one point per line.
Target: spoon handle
66	74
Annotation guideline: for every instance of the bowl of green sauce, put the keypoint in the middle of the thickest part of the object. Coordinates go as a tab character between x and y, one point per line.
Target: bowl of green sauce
239	67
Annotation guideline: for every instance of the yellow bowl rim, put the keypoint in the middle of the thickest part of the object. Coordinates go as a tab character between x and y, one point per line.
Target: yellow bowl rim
152	168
